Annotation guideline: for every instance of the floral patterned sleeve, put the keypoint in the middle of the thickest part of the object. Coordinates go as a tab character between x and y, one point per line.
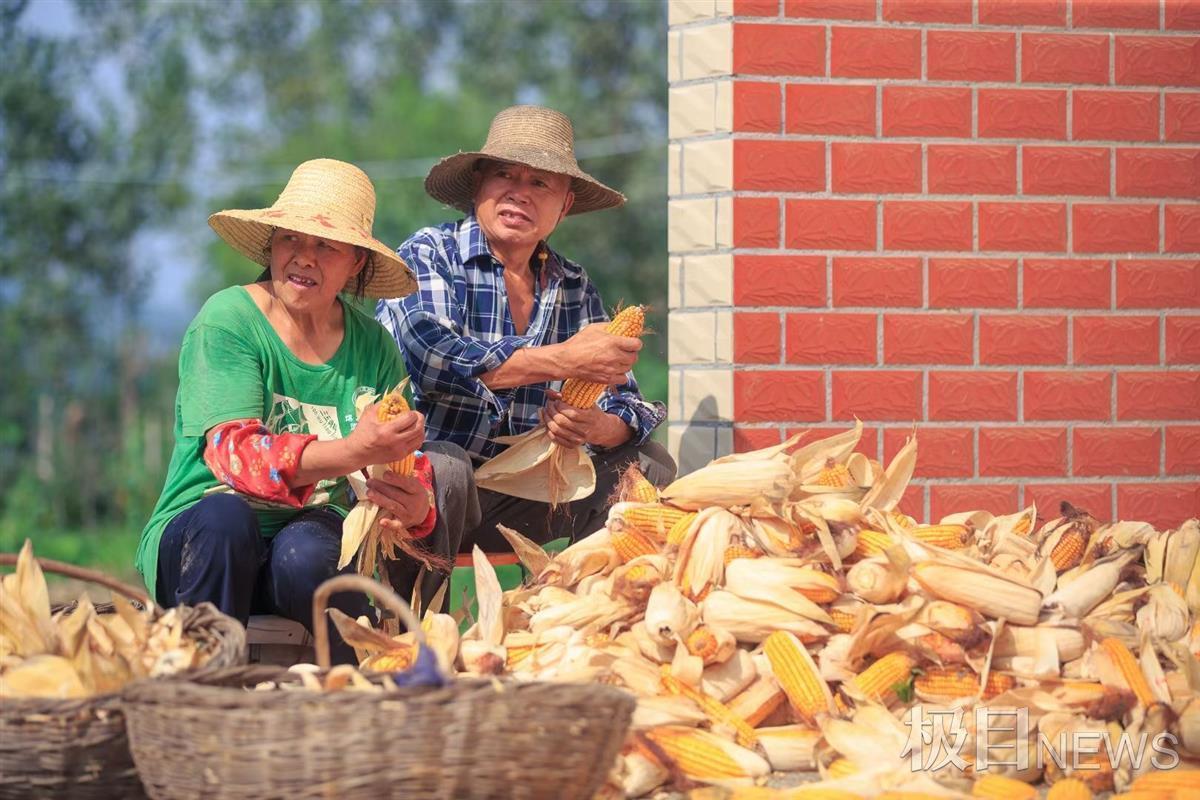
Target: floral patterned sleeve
244	455
423	472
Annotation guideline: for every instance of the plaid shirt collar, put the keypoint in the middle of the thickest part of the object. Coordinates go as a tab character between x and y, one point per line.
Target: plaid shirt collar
474	250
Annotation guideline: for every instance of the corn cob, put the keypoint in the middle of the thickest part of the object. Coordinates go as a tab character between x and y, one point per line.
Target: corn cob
1181	781
702	755
999	787
844	621
629	542
879	681
680	529
840	768
902	520
740	551
717	712
951	537
654	521
1068	552
872	543
834	474
634	487
799	677
822	793
1069	789
702	643
1146	794
758	701
1130	670
824	587
961	682
391	406
584	394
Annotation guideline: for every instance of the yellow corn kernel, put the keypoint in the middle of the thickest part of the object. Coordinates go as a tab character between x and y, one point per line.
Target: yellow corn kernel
821	793
654	521
740	551
584	394
634	487
1130	670
1069	789
717	712
391	406
680	529
961	682
879	680
629	542
700	754
1183	781
702	643
834	474
872	543
1068	552
840	768
799	677
844	621
999	787
951	537
758	701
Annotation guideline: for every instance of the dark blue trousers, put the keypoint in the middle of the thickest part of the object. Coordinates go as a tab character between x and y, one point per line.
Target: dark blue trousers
214	552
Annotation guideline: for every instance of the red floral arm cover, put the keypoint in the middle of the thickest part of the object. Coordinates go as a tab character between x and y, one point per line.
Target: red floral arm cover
423	472
243	454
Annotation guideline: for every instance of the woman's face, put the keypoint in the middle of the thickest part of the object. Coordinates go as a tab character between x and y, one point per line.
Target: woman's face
308	271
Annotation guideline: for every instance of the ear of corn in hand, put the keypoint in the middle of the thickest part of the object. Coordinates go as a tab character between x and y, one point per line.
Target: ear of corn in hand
630	321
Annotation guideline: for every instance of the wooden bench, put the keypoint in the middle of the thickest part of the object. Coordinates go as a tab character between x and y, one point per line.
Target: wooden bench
275	640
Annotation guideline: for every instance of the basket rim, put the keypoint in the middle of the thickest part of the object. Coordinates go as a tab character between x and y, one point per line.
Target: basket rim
219	689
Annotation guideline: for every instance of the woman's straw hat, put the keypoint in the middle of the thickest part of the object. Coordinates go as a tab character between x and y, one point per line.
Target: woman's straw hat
537	137
326	198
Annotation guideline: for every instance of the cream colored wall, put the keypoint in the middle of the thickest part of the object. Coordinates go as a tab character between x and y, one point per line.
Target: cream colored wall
700	230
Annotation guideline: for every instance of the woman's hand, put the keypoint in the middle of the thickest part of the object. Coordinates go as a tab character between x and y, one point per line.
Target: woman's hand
375	442
404	498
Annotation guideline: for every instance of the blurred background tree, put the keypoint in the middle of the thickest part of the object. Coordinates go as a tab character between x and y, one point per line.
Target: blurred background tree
124	124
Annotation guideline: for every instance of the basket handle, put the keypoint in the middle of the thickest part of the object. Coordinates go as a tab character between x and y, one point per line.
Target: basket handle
84	574
356	583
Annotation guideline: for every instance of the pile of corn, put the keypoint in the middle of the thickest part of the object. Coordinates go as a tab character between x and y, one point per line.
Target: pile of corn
80	653
775	612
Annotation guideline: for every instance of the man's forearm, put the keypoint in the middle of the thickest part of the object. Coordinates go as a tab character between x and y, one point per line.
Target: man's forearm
613	432
525	366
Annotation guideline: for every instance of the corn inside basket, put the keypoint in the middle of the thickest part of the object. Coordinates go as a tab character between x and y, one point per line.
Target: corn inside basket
77	748
215	737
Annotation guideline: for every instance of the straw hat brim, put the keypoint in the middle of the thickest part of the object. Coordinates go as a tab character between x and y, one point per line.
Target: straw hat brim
451	181
248	231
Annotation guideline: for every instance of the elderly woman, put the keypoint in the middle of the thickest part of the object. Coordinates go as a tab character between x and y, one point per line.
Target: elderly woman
271	376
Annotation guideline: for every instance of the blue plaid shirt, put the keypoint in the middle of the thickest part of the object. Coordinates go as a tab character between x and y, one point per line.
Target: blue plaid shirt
457	326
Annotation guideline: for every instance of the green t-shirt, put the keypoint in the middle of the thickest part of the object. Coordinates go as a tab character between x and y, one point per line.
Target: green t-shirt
232	365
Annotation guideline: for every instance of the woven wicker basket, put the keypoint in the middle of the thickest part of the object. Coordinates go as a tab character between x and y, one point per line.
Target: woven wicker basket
209	737
77	749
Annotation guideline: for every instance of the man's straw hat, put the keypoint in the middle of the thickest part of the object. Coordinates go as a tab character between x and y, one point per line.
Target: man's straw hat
326	198
537	137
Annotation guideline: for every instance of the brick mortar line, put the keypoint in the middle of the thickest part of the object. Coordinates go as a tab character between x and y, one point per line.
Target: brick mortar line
836	138
953	27
1157	313
893	253
913	81
943	425
925	366
1097	200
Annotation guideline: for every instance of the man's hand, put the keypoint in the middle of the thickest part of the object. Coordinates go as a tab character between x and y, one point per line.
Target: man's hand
375	442
572	427
405	498
596	355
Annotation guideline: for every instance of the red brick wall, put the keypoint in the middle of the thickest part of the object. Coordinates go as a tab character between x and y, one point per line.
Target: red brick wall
981	218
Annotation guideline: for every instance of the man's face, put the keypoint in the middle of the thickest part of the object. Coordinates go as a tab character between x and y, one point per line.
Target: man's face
518	206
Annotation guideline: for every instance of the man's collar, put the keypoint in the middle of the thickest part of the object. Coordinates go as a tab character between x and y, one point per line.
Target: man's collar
472	244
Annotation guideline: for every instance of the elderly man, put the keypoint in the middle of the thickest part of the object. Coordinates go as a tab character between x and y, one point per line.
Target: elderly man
500	320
